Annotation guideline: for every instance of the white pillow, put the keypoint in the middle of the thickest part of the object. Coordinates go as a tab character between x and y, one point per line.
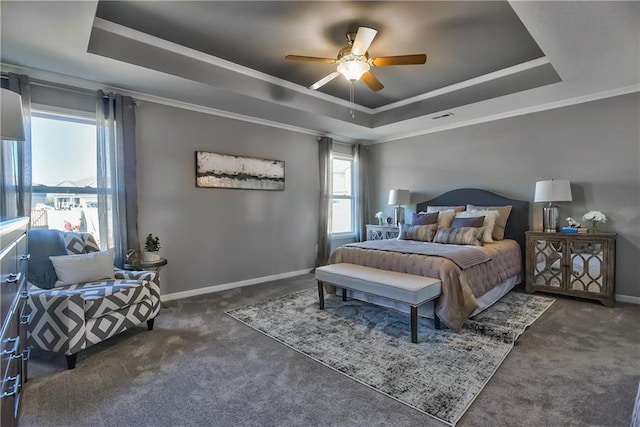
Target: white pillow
82	268
490	218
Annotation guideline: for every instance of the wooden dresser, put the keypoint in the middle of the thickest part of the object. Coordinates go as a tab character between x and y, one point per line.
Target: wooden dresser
581	265
13	297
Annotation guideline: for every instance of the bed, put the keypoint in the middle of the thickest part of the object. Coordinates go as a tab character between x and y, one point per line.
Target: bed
471	282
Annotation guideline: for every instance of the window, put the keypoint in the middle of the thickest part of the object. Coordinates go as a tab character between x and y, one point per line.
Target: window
64	171
343	208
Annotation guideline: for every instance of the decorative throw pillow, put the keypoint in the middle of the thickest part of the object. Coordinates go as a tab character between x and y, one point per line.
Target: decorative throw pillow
444	208
460	236
444	217
501	223
82	268
489	222
423	233
475	221
422	218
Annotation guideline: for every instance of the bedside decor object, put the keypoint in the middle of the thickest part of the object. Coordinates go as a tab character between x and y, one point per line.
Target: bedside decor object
229	171
554	190
595	217
12	125
380	217
398	197
151	248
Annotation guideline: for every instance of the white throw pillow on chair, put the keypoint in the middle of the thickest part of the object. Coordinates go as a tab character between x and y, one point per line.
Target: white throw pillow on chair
82	268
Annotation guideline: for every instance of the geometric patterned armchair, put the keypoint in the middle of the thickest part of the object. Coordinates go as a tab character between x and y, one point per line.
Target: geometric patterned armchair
70	318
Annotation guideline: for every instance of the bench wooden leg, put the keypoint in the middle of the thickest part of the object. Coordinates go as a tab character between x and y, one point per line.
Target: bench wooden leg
344	294
436	318
414	324
321	295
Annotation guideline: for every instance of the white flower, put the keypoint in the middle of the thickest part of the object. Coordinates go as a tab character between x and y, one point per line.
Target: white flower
380	215
594	216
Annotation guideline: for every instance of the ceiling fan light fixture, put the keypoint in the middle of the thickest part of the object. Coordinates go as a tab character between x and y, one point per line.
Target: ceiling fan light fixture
352	70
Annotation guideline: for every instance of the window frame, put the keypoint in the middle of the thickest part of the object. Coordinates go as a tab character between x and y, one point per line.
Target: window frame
349	158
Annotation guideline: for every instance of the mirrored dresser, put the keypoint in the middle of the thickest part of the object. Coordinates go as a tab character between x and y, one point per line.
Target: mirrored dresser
581	265
382	232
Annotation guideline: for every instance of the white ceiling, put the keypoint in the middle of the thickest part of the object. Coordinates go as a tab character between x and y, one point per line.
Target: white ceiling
594	48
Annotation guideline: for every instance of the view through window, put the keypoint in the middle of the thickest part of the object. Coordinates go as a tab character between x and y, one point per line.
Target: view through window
342	212
64	171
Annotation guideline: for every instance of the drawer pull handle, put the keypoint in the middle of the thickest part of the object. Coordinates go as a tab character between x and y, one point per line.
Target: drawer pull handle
16	387
25	257
26	354
14	350
25	319
24	294
13	277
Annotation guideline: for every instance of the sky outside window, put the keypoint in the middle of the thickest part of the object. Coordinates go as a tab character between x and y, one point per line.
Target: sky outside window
62	151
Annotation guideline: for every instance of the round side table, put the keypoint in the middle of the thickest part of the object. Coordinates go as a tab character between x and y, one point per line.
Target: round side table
154	266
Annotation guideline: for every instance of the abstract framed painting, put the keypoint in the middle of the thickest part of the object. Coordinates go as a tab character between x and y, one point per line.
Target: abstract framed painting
216	170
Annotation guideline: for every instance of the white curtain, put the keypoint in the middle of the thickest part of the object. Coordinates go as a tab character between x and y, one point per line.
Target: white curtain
324	217
117	188
361	191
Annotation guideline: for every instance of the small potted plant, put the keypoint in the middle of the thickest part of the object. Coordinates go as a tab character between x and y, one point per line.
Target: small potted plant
151	248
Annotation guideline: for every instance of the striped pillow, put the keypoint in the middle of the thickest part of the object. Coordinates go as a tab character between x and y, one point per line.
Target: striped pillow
460	236
422	233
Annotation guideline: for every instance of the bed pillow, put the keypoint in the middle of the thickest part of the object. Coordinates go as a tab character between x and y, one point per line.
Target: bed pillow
82	268
444	217
460	236
444	208
421	218
475	221
489	222
501	223
422	233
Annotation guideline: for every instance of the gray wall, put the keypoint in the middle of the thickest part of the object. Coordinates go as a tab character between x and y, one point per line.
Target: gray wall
595	145
218	236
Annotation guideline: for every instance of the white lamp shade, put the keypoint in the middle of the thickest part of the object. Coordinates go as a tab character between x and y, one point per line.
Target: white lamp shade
554	190
399	197
11	124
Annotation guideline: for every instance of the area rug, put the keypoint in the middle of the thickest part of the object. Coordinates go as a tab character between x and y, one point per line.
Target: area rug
440	376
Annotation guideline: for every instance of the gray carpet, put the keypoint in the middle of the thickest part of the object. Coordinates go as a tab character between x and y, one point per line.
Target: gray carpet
440	375
576	365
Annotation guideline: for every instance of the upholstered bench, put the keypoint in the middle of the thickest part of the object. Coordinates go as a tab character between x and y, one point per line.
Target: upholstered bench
407	288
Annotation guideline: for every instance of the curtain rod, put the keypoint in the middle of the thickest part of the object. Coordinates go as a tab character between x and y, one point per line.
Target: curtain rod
43	83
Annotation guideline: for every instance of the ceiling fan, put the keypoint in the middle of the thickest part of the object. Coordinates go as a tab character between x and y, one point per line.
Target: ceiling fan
354	62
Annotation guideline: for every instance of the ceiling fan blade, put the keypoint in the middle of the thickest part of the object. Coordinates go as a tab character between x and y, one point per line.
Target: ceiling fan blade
384	61
323	81
309	58
363	40
370	80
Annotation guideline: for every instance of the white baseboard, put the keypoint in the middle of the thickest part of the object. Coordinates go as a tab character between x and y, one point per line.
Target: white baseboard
627	298
225	286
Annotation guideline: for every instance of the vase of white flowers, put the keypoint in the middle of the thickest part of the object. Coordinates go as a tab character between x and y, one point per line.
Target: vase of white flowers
380	216
596	217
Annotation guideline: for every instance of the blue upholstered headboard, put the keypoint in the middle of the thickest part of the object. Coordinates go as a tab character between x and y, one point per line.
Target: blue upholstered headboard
517	223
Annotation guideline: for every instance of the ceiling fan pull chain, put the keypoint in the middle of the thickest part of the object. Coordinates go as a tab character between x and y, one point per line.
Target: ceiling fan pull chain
351	101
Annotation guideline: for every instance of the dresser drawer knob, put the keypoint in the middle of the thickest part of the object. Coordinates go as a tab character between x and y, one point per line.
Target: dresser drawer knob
26	354
15	388
14	350
25	319
13	277
25	257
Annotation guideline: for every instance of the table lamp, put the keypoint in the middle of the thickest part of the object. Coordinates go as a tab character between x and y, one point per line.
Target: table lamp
554	190
398	197
11	124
